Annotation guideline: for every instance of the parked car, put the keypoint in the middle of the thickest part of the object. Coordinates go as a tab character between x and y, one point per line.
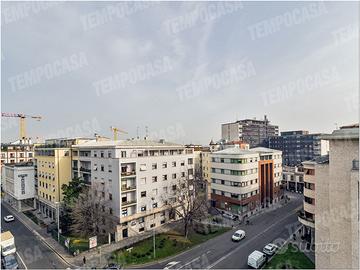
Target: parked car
270	249
238	235
256	259
229	216
9	262
113	266
9	218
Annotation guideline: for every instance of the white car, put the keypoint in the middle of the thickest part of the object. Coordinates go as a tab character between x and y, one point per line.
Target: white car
238	235
229	216
270	249
9	218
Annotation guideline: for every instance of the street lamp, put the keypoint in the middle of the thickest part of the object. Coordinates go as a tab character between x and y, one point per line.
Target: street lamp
154	246
58	219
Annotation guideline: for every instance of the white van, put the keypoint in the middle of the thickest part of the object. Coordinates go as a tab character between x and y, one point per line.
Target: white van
256	259
238	235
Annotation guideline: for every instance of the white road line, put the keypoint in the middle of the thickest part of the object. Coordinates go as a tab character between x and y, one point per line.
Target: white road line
21	259
252	239
40	237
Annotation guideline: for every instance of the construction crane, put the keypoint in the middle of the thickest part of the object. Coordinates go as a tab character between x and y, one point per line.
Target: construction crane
21	117
116	131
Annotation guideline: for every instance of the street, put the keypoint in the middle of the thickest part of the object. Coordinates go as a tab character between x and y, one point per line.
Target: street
32	253
221	252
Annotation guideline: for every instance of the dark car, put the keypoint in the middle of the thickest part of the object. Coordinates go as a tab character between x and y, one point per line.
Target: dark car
9	262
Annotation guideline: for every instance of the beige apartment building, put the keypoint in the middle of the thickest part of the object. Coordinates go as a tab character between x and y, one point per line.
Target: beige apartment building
337	202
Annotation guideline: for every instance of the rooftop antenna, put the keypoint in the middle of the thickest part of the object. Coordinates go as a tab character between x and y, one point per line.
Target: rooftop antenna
146	131
336	125
137	132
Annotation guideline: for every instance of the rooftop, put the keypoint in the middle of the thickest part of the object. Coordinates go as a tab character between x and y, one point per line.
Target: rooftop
236	150
345	132
127	144
20	164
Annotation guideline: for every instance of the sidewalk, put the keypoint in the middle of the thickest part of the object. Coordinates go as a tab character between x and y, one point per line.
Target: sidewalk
97	257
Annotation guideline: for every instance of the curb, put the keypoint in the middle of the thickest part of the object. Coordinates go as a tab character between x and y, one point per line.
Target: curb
42	239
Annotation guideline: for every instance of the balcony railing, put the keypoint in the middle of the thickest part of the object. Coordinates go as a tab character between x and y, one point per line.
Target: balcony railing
128	173
127	188
128	203
85	170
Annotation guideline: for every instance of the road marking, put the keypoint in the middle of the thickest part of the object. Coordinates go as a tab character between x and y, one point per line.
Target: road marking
21	259
252	239
42	239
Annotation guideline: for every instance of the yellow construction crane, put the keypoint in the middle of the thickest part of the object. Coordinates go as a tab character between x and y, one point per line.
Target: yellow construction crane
116	131
22	121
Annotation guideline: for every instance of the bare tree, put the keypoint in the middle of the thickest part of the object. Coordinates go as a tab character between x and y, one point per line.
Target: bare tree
185	202
91	214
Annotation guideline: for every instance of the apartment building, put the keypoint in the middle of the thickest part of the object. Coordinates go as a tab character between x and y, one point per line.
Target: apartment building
293	178
299	146
244	181
252	131
18	184
136	177
16	152
53	169
337	202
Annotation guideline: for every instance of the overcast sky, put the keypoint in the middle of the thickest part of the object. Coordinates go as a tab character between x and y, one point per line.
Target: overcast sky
296	63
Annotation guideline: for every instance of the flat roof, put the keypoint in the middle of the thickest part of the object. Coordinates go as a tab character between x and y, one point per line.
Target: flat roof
6	236
348	132
127	144
238	151
19	164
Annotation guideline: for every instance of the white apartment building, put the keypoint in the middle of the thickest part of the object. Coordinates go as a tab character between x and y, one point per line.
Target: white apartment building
136	176
337	202
15	152
293	178
18	184
243	181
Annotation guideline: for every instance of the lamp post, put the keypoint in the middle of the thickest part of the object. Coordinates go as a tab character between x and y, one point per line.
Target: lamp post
154	246
58	219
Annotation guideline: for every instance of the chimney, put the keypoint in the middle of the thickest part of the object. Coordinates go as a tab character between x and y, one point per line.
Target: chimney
162	141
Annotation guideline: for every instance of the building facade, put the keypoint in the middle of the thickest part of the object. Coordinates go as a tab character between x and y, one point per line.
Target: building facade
19	151
337	202
299	146
18	182
136	177
53	169
254	132
244	181
293	178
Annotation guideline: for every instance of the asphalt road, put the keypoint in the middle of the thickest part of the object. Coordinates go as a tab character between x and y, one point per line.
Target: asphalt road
222	253
32	252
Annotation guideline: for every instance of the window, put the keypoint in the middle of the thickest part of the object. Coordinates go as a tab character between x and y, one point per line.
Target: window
141	229
164	165
123	154
143	194
110	196
164	177
182	163
110	168
95	154
154	166
124	213
174	176
154	179
173	163
109	154
143	180
165	189
190	161
152	225
155	205
102	168
110	211
155	191
143	208
102	154
182	174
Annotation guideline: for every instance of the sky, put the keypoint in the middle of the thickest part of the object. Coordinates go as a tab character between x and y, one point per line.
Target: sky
177	70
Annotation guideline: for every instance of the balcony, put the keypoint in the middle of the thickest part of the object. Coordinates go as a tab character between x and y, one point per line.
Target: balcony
128	203
127	188
309	222
128	174
86	170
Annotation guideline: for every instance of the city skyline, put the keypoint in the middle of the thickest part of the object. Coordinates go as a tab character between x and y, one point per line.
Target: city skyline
174	68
